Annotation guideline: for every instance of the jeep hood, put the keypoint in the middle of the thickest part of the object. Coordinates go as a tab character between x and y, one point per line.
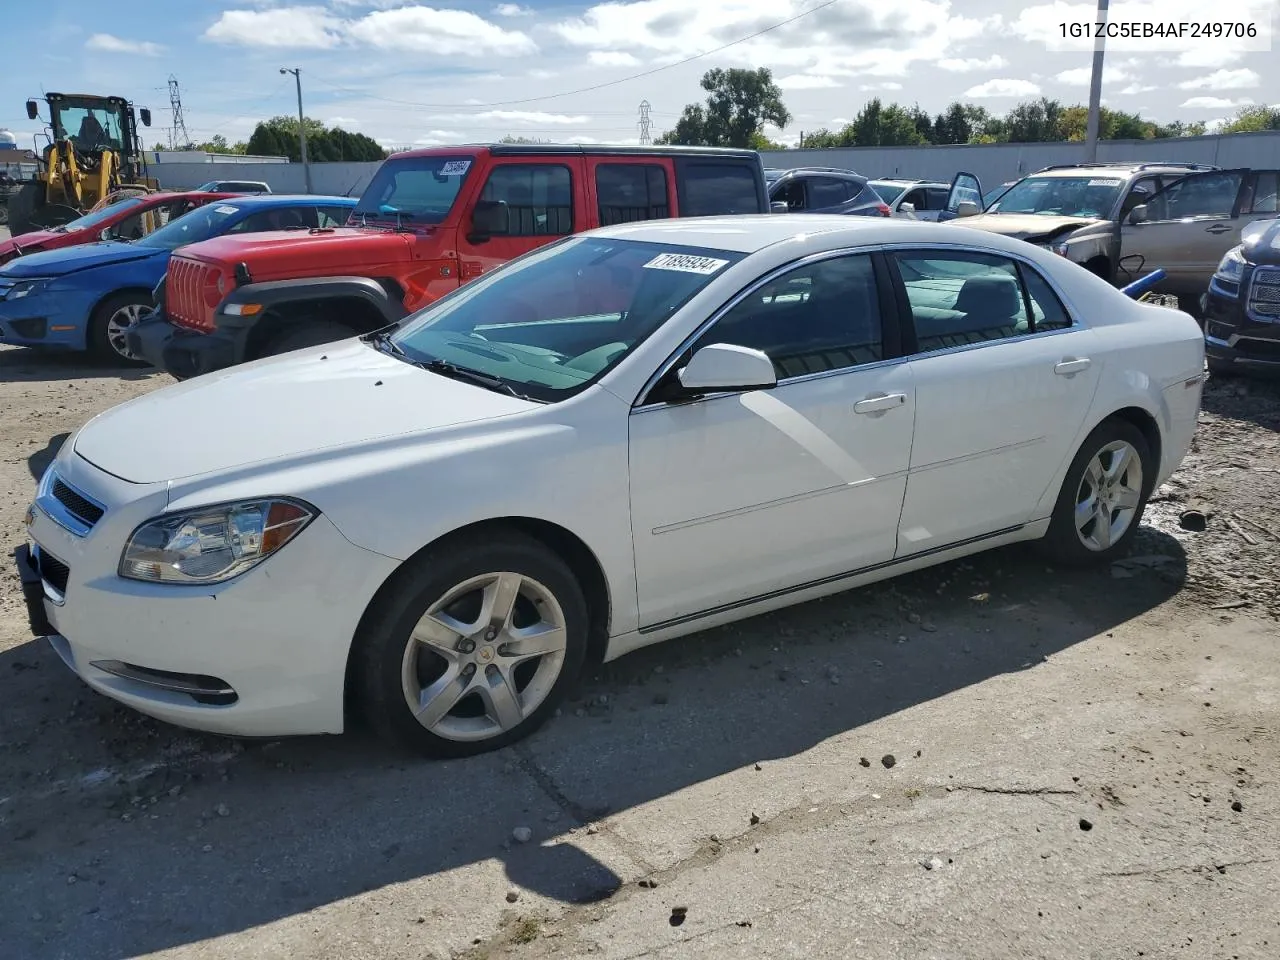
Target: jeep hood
1024	226
57	263
338	395
285	255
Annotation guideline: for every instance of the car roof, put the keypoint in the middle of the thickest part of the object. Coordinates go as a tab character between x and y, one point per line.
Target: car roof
284	199
750	233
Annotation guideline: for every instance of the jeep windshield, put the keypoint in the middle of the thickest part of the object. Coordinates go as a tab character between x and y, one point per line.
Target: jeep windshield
417	190
1088	197
548	324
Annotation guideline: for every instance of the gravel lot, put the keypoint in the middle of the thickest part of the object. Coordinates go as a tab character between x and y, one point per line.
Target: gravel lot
991	759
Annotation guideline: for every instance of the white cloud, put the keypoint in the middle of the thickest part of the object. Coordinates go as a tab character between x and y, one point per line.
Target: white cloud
806	81
1215	103
410	28
435	138
841	121
342	122
538	73
969	64
887	85
515	116
1208	57
1242	79
1003	87
1081	76
106	43
611	58
1133	89
511	10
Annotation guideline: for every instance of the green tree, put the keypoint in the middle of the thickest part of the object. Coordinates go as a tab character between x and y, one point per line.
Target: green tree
1254	120
739	103
279	137
1034	121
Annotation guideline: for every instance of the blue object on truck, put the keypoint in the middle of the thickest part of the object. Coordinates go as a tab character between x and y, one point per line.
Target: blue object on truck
1143	284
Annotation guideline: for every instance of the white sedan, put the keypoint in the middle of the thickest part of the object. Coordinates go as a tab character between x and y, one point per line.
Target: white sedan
627	436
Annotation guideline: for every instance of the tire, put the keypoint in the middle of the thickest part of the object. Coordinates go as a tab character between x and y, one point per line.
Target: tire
106	327
303	334
22	206
456	679
1070	543
1221	369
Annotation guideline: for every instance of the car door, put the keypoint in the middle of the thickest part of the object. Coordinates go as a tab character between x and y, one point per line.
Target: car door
964	187
543	202
739	495
1188	226
1000	394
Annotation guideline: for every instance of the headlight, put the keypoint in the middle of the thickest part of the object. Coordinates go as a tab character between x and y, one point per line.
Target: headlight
25	288
1231	267
212	544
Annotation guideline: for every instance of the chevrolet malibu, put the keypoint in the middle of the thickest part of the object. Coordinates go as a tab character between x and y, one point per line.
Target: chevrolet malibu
621	438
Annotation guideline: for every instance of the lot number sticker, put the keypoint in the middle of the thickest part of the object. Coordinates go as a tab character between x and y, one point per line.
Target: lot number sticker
1104	183
455	168
685	263
226	209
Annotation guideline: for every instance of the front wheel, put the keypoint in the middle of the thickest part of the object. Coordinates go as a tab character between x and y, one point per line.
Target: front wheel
1103	497
109	324
305	334
472	646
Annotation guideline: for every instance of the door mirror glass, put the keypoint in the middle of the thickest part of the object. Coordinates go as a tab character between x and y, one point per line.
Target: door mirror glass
489	218
105	234
724	366
967	208
146	116
778	206
905	207
1138	214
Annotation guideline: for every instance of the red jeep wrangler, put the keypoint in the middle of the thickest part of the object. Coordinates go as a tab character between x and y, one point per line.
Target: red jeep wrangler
429	221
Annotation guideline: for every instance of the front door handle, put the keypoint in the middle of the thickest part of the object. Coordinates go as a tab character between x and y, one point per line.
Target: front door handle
1217	228
1068	367
878	404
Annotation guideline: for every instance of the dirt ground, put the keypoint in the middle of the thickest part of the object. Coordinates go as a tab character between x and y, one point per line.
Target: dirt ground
992	759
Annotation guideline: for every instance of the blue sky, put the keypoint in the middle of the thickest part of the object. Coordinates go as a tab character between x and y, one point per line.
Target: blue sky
409	73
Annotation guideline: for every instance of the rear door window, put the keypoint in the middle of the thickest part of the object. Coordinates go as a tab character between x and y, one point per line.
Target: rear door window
1261	196
717	189
827	192
627	192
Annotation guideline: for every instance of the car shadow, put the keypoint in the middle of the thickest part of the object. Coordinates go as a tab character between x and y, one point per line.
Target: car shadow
1252	398
31	365
39	461
251	833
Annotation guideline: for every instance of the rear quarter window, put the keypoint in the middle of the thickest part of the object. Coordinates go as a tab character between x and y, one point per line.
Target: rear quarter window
718	189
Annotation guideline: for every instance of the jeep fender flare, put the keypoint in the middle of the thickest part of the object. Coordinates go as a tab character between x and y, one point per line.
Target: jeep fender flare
274	294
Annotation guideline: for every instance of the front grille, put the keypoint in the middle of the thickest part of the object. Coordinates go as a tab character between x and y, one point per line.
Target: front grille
52	570
78	505
1264	293
184	294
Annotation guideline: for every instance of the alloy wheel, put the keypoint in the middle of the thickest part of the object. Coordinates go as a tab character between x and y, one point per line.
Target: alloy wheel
119	323
1109	496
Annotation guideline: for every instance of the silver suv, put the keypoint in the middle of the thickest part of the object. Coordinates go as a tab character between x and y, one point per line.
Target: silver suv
1123	220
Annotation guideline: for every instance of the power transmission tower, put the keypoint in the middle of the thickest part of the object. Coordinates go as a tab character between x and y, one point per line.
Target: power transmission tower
178	132
644	123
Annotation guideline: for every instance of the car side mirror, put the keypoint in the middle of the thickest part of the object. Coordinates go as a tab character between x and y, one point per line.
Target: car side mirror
104	234
778	206
33	111
726	366
1138	214
967	208
489	218
906	208
145	113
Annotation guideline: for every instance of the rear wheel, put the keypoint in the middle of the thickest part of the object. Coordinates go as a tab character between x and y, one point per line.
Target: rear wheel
299	336
22	206
1103	496
472	646
111	321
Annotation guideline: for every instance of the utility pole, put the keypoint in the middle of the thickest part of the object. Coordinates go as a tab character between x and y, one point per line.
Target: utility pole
302	126
1095	87
644	123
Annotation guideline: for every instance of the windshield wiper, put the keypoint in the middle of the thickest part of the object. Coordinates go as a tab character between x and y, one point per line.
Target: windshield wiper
383	341
454	372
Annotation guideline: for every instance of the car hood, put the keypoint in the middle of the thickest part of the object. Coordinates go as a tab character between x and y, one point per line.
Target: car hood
339	394
33	241
1024	226
275	255
55	263
1261	242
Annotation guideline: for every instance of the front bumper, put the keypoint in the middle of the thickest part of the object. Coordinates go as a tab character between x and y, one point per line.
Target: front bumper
1234	338
181	353
44	320
262	655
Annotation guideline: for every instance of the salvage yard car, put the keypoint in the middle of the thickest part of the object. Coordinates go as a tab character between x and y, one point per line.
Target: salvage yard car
87	297
627	436
1122	220
1242	305
429	221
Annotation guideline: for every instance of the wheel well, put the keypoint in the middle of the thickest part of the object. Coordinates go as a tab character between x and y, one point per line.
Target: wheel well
1149	428
115	293
566	545
353	312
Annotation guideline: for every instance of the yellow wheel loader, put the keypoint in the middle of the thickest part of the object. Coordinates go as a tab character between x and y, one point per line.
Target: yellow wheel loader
93	156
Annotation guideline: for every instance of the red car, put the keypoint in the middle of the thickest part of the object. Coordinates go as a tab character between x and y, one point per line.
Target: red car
128	219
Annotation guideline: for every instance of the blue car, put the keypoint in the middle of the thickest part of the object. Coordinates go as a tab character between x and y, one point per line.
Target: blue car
86	297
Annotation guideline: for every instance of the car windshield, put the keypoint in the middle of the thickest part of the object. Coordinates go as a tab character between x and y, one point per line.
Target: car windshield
549	323
200	224
1092	196
887	192
92	219
415	190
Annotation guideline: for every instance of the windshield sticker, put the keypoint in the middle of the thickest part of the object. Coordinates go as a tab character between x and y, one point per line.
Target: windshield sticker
455	168
226	209
1104	183
685	263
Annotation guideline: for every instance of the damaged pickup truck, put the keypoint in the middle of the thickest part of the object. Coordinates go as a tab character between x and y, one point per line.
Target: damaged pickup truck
1121	220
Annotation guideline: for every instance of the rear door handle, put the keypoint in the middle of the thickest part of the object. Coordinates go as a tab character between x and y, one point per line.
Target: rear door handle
881	403
1067	367
1217	228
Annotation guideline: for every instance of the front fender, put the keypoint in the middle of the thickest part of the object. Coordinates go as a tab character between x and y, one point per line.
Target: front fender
277	293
